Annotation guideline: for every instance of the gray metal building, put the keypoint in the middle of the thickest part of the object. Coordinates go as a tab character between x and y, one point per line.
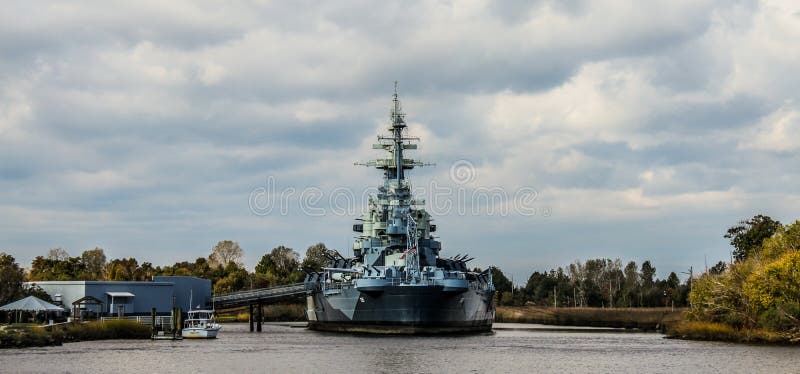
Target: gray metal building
133	298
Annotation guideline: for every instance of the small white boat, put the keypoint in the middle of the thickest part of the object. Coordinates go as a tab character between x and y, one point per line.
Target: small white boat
200	325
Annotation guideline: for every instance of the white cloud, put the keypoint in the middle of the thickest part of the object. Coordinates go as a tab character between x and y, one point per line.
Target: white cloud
777	132
612	110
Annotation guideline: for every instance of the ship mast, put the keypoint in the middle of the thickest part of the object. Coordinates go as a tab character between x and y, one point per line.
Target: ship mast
398	124
391	218
394	167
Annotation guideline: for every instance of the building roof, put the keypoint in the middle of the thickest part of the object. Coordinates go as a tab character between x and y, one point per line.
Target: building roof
119	294
33	304
102	283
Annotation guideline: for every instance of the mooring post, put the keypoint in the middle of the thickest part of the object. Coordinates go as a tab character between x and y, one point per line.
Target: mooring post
180	320
258	322
153	332
250	317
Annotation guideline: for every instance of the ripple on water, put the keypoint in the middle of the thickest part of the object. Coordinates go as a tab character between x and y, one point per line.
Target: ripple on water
298	350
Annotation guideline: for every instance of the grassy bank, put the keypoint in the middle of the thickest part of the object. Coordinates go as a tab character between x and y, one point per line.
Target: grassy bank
271	313
698	330
26	336
634	318
640	318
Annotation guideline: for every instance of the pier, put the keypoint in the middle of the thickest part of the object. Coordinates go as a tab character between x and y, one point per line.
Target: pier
256	299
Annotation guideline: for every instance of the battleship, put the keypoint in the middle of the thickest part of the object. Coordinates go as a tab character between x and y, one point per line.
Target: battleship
397	282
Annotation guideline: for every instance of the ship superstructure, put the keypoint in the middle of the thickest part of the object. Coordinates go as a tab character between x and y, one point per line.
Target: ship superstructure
397	282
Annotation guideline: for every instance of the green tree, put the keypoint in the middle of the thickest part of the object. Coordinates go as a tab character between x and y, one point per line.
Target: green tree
718	269
630	288
95	262
673	288
280	266
648	293
11	279
35	291
502	285
316	258
747	236
647	273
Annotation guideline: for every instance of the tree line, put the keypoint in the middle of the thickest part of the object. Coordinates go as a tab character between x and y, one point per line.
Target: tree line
595	283
223	266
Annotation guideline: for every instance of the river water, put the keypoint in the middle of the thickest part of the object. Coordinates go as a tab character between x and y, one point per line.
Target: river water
510	348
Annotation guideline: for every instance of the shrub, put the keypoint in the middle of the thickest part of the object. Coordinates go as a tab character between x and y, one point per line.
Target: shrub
121	329
697	330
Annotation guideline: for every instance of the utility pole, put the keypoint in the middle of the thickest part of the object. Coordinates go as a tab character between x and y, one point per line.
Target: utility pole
555	298
691	283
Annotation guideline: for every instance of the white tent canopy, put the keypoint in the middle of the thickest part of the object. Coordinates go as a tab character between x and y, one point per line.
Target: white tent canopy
31	304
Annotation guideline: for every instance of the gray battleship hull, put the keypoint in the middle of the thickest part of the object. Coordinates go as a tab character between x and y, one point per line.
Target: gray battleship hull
401	310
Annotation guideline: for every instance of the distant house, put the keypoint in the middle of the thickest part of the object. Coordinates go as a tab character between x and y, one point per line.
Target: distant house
132	298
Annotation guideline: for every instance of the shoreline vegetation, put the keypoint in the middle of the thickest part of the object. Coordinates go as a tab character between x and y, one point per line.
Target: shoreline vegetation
645	319
754	299
715	331
21	336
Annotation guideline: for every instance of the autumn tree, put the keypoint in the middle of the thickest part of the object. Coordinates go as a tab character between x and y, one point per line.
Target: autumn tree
57	254
125	269
236	278
224	252
51	269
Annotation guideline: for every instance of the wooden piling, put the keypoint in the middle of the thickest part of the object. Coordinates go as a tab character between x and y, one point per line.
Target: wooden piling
260	318
250	317
174	320
180	320
153	331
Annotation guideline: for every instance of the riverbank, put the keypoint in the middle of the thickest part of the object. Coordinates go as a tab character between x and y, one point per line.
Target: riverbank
712	331
646	319
39	336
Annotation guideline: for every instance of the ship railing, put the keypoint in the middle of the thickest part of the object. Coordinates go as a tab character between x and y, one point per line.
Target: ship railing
339	285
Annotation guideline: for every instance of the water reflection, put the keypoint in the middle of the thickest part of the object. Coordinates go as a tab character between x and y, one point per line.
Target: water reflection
287	349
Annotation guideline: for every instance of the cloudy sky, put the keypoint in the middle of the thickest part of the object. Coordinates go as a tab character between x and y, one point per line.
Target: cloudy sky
644	128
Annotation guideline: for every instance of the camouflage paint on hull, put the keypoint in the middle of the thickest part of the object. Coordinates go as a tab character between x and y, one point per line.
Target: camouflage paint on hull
401	310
